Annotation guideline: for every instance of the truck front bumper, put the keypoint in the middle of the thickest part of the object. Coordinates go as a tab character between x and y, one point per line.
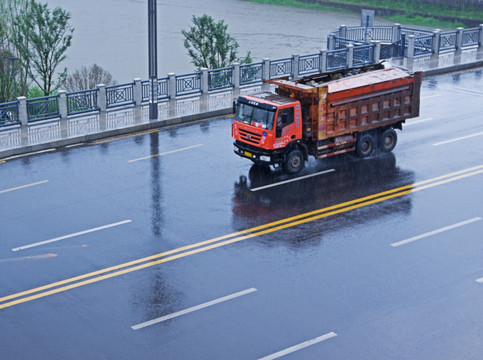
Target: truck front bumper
257	155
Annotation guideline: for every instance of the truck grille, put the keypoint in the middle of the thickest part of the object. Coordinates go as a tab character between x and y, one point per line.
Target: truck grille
250	137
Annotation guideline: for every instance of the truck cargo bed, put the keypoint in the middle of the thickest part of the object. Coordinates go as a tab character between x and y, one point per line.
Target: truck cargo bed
357	103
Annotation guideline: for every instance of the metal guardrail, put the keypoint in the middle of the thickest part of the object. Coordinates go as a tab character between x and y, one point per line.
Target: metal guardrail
282	67
423	45
43	108
471	37
220	78
336	59
363	55
188	84
447	41
162	89
9	113
309	64
251	73
119	95
347	47
82	101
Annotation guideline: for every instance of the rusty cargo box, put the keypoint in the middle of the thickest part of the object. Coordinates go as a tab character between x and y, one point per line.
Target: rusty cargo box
356	103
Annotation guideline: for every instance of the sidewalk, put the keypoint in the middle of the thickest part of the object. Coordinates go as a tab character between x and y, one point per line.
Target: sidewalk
51	134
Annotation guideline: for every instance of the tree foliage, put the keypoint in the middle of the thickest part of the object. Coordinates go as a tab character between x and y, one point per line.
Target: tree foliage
14	80
9	76
88	78
209	45
41	38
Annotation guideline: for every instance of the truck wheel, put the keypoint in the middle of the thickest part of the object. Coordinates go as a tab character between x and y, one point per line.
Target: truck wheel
295	162
365	146
388	140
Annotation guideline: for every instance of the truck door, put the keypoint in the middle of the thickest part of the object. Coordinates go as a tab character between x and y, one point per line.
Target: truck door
285	123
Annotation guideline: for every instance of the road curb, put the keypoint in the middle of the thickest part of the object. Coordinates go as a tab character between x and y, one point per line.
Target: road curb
453	68
187	119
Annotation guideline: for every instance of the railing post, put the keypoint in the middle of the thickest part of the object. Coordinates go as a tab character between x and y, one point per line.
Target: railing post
101	97
377	51
436	45
236	76
63	111
410	59
350	56
138	92
436	41
331	42
396	32
22	110
323	61
459	38
343	31
480	42
204	80
295	66
266	74
172	86
411	42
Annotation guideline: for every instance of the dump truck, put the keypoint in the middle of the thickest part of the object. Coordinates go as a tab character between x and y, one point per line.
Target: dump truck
354	110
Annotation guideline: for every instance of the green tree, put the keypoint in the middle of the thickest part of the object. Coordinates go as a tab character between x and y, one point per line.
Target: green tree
14	81
210	46
9	76
41	38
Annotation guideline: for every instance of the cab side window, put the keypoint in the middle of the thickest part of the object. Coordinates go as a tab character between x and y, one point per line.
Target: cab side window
285	118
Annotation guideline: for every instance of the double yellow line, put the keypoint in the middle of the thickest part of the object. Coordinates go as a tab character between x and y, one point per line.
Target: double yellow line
139	264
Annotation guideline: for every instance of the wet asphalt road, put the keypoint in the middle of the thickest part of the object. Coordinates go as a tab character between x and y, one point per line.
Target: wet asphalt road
347	262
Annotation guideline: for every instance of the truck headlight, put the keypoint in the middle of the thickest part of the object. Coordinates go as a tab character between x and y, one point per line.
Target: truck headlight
265	158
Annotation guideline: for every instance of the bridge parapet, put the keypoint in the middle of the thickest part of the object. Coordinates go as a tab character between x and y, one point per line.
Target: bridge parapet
347	47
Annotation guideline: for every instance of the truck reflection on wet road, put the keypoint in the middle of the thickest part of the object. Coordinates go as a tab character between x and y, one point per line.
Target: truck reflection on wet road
349	178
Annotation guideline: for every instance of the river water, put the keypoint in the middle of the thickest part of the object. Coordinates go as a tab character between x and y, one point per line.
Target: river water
113	33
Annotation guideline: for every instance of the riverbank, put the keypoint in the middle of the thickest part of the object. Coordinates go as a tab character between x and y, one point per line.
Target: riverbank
425	14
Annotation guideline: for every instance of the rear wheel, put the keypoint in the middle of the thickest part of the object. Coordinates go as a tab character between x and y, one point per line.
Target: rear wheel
388	140
295	162
365	145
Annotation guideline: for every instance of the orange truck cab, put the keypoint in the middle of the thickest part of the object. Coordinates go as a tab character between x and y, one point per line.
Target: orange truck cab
265	126
324	115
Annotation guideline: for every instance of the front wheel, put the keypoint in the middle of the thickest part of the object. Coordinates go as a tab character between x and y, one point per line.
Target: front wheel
295	162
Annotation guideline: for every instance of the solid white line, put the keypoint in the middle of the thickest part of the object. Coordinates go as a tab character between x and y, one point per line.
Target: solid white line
417	121
73	145
430	96
458	139
292	180
446	228
480	280
165	153
29	154
191	309
299	346
23	186
71	235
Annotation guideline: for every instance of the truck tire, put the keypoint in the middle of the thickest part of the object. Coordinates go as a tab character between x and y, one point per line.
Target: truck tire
388	140
295	162
365	145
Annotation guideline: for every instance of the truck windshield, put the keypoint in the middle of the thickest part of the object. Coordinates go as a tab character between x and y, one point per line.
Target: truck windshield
255	116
